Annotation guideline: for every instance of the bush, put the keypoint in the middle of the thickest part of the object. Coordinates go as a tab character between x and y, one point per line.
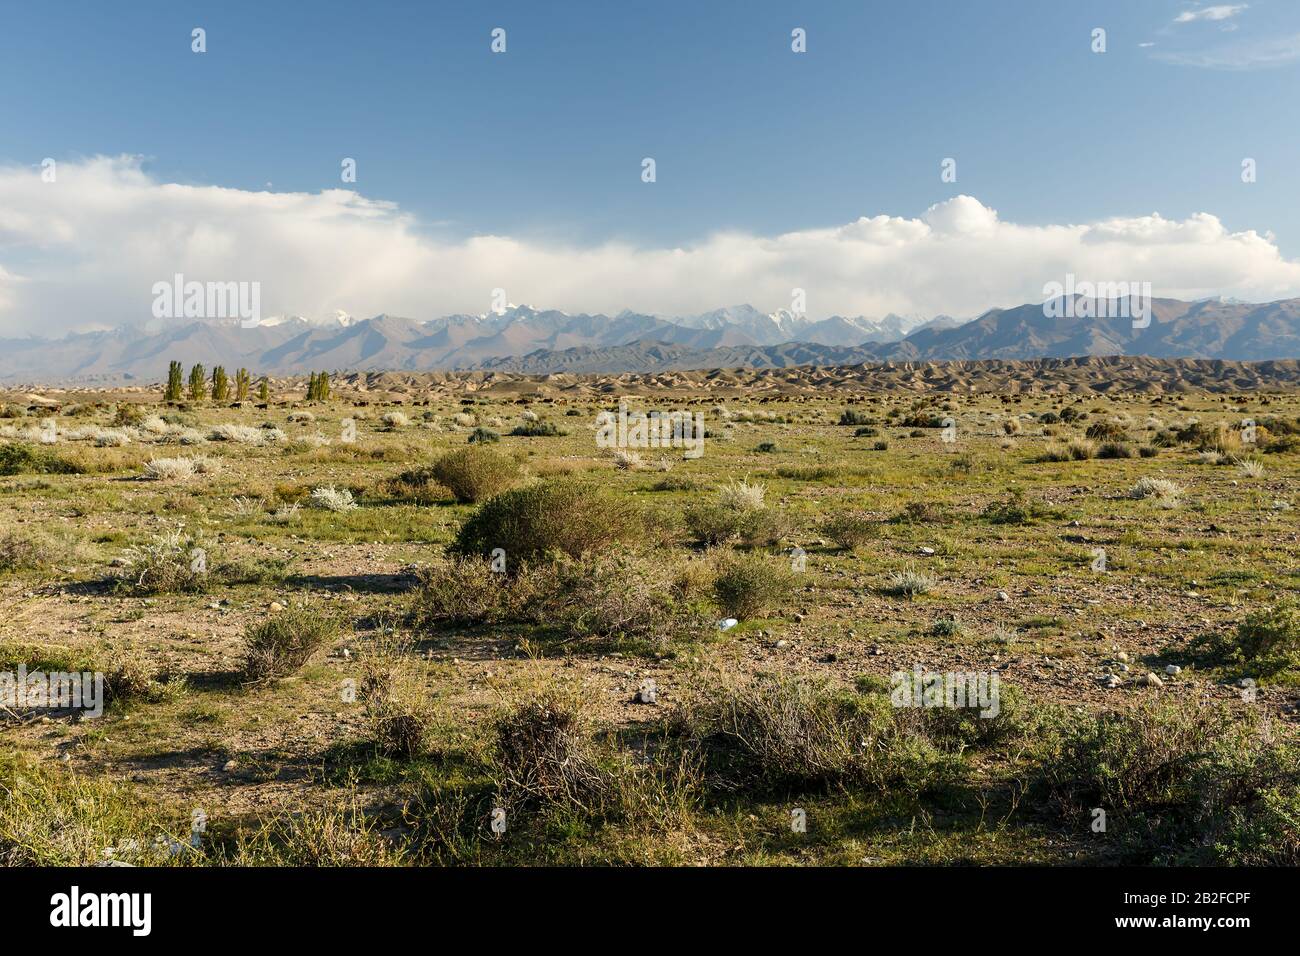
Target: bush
23	553
543	755
1193	777
18	459
465	590
169	469
396	708
1115	449
333	499
746	585
171	563
558	515
742	496
1269	639
850	530
1106	432
285	642
475	474
1018	508
776	734
853	417
482	436
537	429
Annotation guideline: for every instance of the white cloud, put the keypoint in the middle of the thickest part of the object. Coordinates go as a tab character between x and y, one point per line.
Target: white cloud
1222	11
85	251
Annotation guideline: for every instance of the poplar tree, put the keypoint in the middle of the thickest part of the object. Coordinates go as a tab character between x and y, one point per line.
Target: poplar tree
198	384
220	385
173	393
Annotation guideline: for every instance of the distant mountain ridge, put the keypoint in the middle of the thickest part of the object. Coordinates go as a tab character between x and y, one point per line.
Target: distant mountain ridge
531	341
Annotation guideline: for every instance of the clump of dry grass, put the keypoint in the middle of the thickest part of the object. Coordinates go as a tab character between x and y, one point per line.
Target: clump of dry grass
284	642
171	563
19	552
1161	490
543	755
909	583
338	500
398	715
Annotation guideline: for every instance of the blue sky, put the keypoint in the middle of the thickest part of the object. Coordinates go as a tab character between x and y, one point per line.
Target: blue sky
550	135
544	143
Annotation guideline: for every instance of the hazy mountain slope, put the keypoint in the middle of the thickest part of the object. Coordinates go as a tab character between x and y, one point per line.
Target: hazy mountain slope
543	341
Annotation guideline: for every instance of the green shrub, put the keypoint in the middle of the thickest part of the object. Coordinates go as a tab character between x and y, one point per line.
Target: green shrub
746	585
538	429
1106	432
1017	508
1115	449
483	436
285	642
19	459
556	515
475	474
850	530
777	734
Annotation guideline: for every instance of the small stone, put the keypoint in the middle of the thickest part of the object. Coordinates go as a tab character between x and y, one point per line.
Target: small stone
1122	657
1111	681
1151	680
1003	596
1123	668
1173	670
277	606
927	551
229	766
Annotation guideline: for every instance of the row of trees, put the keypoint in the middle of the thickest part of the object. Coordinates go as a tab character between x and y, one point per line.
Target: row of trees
318	386
197	390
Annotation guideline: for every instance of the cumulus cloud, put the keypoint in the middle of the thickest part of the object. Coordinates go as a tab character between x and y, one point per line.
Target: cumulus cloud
85	251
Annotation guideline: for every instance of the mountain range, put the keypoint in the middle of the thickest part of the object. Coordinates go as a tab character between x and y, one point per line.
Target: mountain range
526	340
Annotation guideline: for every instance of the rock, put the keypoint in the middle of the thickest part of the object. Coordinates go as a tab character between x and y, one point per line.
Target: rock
727	624
1173	670
1123	668
277	606
1111	681
1003	596
1122	657
927	551
1151	680
229	766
